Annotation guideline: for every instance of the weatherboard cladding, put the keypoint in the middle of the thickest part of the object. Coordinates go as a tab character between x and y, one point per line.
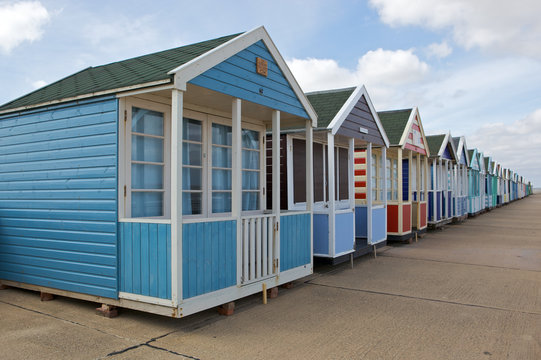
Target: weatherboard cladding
394	123
327	104
139	70
447	153
58	197
237	77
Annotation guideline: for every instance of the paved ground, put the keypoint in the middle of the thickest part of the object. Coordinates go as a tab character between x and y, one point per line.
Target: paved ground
471	291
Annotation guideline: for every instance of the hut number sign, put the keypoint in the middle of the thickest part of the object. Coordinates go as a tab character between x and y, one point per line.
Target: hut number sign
261	66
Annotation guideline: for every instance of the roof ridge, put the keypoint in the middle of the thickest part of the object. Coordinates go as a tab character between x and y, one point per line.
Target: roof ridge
398	110
331	91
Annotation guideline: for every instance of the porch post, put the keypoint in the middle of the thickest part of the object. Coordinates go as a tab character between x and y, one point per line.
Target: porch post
351	174
310	183
434	191
330	175
276	183
426	183
400	196
236	178
369	199
176	196
384	177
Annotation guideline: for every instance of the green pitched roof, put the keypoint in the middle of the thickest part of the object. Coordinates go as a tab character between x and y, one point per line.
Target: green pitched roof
487	163
434	143
139	70
456	142
394	122
327	104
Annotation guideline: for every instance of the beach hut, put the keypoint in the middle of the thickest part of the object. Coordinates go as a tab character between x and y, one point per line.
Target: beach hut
489	187
460	191
505	182
141	183
474	181
347	121
442	180
407	174
482	181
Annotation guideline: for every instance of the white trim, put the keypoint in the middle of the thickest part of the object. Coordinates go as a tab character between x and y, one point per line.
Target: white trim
145	90
145	299
276	183
85	96
185	72
236	173
144	220
177	98
331	200
369	192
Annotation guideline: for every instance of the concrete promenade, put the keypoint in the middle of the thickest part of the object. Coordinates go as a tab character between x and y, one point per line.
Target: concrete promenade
470	291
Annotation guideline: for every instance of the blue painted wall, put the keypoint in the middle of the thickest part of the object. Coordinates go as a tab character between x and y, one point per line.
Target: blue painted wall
294	241
430	206
237	77
438	205
58	197
344	239
405	179
463	158
379	227
209	257
321	234
361	221
145	259
447	153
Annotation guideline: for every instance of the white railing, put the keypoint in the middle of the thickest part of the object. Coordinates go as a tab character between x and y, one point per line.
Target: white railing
259	255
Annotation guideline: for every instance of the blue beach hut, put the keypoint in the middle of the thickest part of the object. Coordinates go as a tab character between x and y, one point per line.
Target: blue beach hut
460	176
142	183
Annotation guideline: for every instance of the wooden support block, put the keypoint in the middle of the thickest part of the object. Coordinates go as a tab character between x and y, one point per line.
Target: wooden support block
108	311
272	292
288	285
3	287
227	309
46	296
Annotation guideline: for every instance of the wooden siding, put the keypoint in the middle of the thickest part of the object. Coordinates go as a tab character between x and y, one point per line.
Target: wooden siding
209	257
321	234
361	116
344	237
379	228
145	259
294	241
237	77
361	221
447	153
58	197
283	172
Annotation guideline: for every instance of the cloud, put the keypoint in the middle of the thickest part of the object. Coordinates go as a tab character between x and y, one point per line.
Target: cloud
385	73
499	140
439	50
38	84
20	22
496	25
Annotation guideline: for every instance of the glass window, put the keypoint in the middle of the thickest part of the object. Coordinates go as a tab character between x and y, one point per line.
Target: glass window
251	170
147	163
192	167
221	168
374	177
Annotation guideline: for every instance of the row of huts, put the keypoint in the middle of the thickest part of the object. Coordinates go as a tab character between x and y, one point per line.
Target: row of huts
185	179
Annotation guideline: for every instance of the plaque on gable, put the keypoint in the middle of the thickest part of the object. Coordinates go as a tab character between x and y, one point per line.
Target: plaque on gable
261	66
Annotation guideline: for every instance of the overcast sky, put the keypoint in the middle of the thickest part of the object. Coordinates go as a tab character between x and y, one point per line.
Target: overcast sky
472	67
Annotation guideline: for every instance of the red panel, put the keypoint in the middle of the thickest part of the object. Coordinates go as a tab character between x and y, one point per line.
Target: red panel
360	183
415	148
360	150
406	218
422	215
360	172
360	160
410	136
416	127
361	196
392	218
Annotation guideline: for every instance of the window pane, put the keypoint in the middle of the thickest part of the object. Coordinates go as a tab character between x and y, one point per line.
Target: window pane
250	201
221	157
299	175
344	174
147	121
389	195
250	159
250	139
191	154
191	130
192	203
221	134
250	180
221	202
221	179
144	176
146	204
192	178
144	148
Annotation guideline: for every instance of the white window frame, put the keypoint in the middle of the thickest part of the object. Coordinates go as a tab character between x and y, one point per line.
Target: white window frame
206	125
125	133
